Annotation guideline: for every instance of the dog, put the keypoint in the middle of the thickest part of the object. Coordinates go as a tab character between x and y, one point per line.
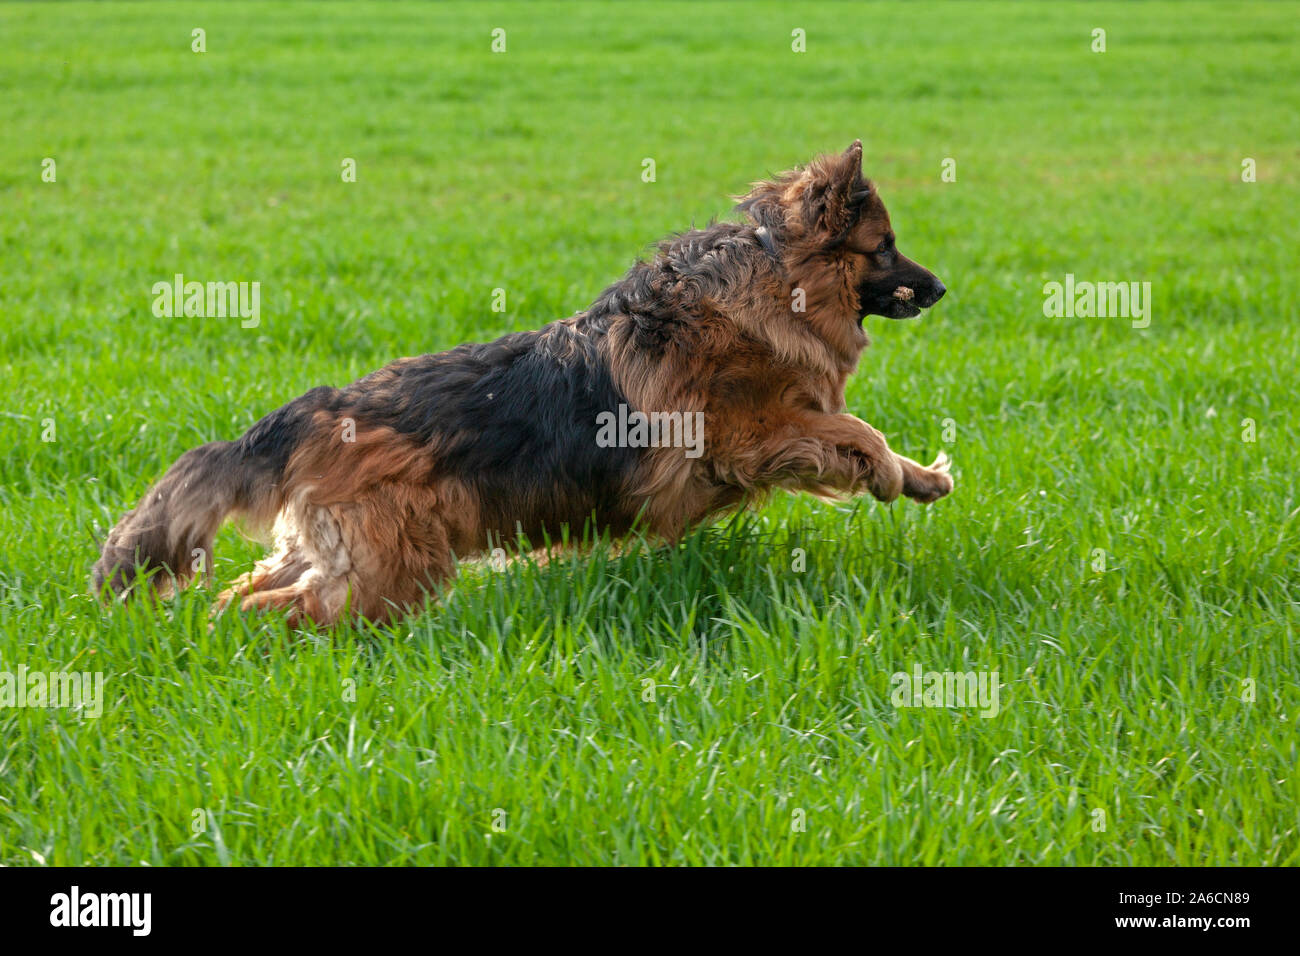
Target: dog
375	490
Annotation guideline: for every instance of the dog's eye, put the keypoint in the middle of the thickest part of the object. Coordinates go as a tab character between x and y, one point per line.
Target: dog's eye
885	246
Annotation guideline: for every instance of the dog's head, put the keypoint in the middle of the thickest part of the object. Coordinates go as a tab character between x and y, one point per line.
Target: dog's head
828	210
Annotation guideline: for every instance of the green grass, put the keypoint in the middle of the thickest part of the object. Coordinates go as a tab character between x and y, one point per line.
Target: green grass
1123	690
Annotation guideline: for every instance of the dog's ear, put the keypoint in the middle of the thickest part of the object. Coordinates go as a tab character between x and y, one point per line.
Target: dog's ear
821	202
835	192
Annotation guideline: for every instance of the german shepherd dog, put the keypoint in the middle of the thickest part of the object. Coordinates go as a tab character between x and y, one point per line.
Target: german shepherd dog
377	488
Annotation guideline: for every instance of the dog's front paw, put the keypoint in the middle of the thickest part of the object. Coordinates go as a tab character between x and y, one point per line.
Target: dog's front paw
929	484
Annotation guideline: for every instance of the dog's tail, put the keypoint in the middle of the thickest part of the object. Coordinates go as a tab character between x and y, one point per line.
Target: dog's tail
171	530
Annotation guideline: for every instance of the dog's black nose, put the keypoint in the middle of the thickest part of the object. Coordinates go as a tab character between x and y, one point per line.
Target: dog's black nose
929	295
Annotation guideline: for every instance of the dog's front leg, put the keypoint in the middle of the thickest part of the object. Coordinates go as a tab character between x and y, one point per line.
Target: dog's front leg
842	453
926	484
886	474
821	453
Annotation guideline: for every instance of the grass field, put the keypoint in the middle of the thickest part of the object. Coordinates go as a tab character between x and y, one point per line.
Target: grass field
1121	547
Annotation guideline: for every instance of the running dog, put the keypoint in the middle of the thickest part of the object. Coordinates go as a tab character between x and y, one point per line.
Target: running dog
374	490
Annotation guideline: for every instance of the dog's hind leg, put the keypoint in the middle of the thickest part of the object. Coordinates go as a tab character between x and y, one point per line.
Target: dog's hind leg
376	557
281	569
